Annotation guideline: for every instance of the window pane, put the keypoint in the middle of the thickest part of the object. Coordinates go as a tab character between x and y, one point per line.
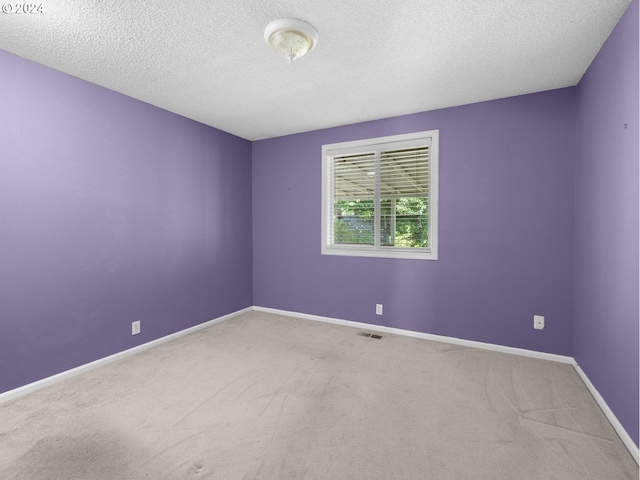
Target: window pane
404	222
404	185
353	205
354	222
412	222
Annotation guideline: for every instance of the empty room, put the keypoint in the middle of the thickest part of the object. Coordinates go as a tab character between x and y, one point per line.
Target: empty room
319	240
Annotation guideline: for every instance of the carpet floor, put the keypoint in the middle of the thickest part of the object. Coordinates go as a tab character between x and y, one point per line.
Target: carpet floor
264	396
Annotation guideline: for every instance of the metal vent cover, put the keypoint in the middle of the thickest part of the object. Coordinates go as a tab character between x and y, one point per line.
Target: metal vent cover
370	335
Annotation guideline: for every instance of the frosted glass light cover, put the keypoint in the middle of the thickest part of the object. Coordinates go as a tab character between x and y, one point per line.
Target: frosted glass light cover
290	38
290	43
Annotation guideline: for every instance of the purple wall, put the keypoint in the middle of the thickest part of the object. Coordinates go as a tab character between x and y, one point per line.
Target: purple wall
111	211
506	228
606	245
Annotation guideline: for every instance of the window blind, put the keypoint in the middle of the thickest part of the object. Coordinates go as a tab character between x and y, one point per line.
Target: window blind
388	189
353	178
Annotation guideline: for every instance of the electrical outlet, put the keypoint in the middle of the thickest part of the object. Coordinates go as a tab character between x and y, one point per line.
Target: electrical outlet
378	309
538	322
135	327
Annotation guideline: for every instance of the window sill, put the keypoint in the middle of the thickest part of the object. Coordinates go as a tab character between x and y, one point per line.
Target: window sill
422	254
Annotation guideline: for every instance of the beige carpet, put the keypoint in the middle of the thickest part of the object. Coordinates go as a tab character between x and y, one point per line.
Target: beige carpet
269	397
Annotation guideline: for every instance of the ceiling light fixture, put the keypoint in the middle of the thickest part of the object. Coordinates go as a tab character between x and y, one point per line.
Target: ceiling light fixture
291	38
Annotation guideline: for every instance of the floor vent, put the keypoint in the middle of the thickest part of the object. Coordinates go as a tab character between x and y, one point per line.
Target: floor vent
370	335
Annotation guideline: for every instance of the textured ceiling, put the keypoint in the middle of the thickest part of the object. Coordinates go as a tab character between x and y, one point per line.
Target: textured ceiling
207	59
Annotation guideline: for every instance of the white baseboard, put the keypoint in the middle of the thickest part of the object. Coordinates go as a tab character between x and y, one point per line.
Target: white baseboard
622	433
426	336
615	423
31	387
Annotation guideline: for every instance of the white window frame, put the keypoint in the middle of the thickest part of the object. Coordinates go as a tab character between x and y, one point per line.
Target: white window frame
410	140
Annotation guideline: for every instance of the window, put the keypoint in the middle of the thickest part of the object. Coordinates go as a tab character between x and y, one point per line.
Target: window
380	197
